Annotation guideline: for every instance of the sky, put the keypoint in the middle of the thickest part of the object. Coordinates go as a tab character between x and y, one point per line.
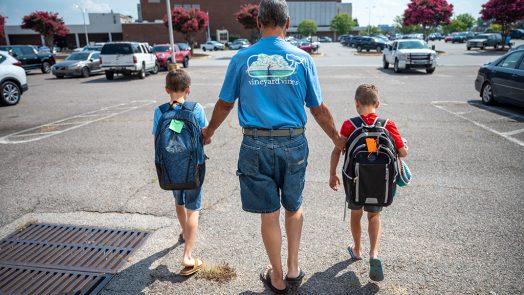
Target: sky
383	13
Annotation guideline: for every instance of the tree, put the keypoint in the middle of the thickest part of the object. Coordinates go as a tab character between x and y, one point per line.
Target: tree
466	20
342	24
2	23
307	27
428	13
247	16
504	13
47	24
188	22
371	30
355	20
403	29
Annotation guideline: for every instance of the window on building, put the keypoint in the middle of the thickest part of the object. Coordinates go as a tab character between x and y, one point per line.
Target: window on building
154	1
187	6
197	6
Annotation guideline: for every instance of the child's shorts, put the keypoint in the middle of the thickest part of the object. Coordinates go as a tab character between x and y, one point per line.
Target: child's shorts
192	199
372	209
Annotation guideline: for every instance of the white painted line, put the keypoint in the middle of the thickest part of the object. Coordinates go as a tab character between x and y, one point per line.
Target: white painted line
514	132
508	137
11	138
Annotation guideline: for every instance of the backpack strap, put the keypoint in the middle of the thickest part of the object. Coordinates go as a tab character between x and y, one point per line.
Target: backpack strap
357	122
165	107
383	122
189	105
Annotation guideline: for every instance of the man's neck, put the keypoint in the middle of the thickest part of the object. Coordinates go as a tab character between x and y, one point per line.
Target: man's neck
273	32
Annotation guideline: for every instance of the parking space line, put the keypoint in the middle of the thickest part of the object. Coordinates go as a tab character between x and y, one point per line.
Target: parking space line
506	135
514	132
96	115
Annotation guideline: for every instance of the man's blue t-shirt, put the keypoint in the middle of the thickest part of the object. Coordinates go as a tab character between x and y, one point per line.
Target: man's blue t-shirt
199	114
272	81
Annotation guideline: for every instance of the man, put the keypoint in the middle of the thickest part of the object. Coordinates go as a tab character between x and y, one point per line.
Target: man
272	81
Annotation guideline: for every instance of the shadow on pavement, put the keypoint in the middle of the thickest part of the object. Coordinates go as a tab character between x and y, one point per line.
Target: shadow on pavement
507	110
117	79
486	53
410	72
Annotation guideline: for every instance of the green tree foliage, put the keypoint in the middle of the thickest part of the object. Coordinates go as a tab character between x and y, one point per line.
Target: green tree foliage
342	24
403	29
307	27
460	23
467	20
371	30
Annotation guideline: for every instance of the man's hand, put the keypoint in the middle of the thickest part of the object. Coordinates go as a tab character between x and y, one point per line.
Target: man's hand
208	135
334	182
340	144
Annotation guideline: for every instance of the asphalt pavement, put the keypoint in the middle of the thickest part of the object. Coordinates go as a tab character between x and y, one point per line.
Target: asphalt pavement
457	229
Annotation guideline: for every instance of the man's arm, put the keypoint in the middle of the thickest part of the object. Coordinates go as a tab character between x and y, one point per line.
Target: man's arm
220	113
324	118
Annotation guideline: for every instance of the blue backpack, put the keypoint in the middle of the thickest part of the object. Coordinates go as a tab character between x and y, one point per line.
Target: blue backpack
179	151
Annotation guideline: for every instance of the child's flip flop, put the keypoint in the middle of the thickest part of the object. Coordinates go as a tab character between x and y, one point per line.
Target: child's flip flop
189	270
297	280
352	254
376	272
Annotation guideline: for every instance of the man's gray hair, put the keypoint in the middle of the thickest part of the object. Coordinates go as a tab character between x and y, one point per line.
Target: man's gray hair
273	13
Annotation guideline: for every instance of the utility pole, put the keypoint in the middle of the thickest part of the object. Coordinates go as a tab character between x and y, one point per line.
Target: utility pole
170	26
85	25
208	27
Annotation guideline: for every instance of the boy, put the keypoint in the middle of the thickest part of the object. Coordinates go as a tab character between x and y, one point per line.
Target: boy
188	202
366	102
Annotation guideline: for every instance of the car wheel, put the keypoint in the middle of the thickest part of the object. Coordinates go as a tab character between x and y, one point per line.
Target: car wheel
204	49
496	46
185	64
469	48
46	67
10	94
396	67
85	72
367	50
59	76
385	63
379	49
487	94
359	49
482	48
430	70
142	73
155	69
110	75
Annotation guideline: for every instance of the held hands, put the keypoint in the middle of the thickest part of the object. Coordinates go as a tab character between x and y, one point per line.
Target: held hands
340	143
208	135
334	182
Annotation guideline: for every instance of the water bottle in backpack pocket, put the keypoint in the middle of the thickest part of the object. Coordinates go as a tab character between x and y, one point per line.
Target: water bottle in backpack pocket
370	167
179	148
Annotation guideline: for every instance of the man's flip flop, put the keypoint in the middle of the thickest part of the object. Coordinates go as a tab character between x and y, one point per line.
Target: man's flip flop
375	269
352	254
265	276
189	270
297	280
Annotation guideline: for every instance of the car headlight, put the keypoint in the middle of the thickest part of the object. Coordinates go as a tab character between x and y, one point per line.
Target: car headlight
403	56
432	56
74	66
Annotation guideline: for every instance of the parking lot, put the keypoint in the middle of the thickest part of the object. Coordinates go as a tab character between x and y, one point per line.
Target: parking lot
81	151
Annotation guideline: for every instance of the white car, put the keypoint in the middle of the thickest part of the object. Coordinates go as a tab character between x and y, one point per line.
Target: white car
128	58
13	81
212	45
410	54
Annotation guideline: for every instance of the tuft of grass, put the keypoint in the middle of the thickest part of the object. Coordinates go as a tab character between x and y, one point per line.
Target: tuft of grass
23	226
220	273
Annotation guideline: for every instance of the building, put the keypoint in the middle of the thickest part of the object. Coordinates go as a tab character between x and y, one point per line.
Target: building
102	27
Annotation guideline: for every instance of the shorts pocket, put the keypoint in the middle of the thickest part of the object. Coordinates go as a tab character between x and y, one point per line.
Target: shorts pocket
248	160
297	158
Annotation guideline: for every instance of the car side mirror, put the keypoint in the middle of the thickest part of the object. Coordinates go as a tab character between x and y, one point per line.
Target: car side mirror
432	47
91	60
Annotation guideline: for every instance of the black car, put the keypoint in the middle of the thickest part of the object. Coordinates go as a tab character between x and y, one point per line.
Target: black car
517	34
370	43
30	58
353	40
502	80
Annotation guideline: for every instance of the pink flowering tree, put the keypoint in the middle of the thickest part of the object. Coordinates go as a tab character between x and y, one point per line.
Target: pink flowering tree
504	13
47	24
188	22
428	13
247	17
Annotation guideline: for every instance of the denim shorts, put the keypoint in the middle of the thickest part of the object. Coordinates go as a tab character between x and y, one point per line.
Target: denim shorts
272	172
192	199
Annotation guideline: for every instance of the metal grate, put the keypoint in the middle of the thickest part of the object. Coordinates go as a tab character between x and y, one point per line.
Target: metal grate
60	257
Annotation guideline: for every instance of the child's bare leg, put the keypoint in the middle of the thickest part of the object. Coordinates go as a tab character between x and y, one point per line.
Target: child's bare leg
374	233
356	230
182	218
190	233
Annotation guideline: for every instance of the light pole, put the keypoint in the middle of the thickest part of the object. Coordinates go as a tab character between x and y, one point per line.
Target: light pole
208	27
83	10
170	26
369	18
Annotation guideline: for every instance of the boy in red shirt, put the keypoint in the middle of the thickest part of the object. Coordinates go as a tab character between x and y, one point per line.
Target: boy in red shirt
366	102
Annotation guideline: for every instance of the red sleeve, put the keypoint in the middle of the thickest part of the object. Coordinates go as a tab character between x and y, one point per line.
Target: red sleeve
393	131
347	129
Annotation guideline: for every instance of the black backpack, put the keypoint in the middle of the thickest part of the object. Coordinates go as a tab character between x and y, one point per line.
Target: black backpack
370	178
179	156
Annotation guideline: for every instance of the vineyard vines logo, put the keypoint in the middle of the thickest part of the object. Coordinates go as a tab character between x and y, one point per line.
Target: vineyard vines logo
263	66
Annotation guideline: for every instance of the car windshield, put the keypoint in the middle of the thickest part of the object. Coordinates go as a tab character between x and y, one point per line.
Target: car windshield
483	37
117	49
92	48
78	56
183	46
160	48
412	45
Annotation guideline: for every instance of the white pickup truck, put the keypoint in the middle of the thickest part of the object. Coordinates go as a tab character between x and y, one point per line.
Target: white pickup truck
128	58
410	54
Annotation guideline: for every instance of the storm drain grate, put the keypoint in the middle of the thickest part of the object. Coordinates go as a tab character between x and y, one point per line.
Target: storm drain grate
49	258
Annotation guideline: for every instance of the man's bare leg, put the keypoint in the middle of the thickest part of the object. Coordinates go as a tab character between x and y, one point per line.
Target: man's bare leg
272	237
294	222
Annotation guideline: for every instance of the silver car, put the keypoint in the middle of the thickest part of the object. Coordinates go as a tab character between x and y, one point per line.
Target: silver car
81	64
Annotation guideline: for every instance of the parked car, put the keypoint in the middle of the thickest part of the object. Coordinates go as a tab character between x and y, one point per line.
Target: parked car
128	58
239	44
449	38
163	55
212	45
370	43
517	34
13	81
339	38
30	58
353	40
485	40
502	80
7	59
325	39
462	37
81	64
345	40
519	47
435	36
308	47
410	54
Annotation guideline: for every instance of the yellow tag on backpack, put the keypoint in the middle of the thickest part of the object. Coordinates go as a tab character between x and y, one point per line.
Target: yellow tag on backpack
371	143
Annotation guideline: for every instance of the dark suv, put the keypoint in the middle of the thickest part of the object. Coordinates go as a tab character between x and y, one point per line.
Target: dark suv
30	58
370	43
